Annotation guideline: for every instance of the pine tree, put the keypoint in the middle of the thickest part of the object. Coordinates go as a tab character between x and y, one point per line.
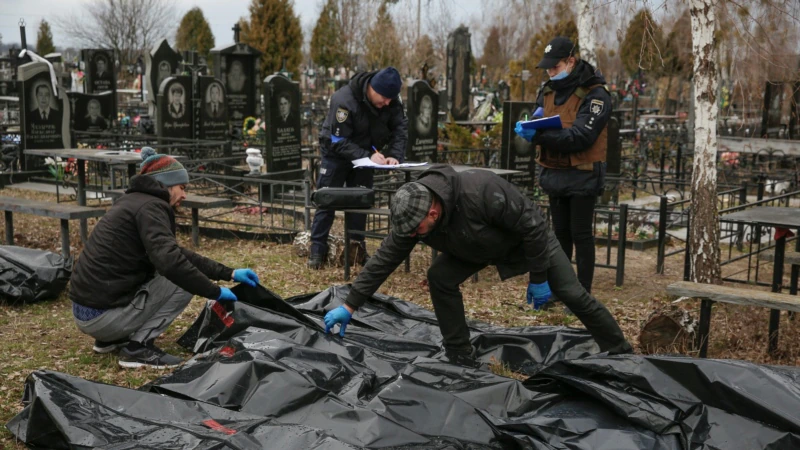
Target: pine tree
194	33
274	29
383	45
327	41
44	40
640	48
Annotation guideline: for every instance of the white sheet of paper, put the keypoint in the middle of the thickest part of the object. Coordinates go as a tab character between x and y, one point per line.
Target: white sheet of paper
366	163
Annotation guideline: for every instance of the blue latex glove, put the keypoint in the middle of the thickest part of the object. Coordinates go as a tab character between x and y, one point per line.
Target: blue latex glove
524	133
538	294
225	295
339	315
245	276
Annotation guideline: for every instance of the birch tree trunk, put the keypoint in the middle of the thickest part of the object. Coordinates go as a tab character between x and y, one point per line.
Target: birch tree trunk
704	231
587	33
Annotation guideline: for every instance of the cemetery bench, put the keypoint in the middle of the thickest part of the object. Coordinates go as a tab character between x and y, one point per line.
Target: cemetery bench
710	293
62	211
192	201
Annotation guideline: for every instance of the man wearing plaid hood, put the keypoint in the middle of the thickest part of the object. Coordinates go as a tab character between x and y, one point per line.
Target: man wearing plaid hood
476	219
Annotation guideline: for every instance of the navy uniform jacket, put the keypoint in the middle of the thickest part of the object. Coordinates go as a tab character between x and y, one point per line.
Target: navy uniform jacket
583	133
353	126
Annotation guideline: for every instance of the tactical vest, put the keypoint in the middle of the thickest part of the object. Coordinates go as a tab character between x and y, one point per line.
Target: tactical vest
554	159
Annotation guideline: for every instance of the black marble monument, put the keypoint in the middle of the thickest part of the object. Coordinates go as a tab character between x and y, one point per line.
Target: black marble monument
175	108
459	52
423	120
282	116
515	152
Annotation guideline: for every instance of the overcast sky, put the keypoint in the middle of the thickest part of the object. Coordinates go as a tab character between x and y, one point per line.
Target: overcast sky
221	14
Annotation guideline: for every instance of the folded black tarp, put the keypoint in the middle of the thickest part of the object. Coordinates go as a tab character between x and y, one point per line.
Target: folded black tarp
29	275
270	378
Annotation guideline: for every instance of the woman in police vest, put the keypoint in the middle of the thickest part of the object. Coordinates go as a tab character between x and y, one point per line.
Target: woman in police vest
572	159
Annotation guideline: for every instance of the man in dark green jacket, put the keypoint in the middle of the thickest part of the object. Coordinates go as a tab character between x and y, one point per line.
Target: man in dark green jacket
475	219
133	279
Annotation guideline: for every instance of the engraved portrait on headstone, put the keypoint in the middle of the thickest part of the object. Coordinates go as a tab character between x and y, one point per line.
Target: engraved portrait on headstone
236	77
283	124
101	72
175	114
44	111
177	101
164	71
425	115
213	122
284	109
423	133
91	112
214	100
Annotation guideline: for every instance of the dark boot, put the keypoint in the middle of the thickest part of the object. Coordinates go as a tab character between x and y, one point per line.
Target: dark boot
462	357
315	262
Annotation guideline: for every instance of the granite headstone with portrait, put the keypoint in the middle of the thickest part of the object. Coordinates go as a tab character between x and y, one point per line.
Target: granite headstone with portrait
213	112
99	73
161	63
237	66
282	116
44	111
175	108
91	112
515	152
459	55
423	120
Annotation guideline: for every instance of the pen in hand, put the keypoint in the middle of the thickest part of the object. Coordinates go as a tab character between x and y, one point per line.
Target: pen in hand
377	157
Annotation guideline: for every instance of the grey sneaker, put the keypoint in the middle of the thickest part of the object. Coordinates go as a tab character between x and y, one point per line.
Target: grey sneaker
152	357
103	347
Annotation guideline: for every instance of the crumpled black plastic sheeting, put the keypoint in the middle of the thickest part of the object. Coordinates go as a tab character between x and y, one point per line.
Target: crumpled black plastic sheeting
250	390
30	275
385	324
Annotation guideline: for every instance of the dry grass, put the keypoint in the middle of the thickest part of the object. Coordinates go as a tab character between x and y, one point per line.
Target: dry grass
43	336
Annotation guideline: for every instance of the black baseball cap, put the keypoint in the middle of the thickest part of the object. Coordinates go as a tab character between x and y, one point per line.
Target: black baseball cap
558	49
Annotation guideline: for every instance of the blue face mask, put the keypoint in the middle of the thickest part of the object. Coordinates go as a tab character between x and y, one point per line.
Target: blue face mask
560	76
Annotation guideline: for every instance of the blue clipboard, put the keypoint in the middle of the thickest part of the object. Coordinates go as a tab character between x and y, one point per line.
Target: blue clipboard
541	124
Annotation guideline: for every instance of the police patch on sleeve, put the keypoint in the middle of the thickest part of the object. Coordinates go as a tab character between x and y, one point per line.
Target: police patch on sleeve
596	107
341	115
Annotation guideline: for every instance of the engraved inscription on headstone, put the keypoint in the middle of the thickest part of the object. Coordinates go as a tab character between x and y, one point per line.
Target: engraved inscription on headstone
99	73
91	112
237	66
45	114
423	121
174	107
282	100
213	109
516	153
459	52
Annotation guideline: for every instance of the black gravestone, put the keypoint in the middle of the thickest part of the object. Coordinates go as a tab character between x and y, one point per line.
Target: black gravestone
503	91
175	108
45	114
516	153
162	62
443	100
99	72
282	116
237	66
91	112
423	122
459	52
213	123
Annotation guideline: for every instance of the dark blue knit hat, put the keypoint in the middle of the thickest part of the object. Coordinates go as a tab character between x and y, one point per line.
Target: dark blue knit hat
387	82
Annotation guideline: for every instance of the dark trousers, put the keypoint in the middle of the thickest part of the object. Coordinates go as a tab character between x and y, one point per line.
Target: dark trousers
572	224
335	172
447	273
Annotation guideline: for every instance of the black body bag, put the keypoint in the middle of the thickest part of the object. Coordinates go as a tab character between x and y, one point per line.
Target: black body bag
343	198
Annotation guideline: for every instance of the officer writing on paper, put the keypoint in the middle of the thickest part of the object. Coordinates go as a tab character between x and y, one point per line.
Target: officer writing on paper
573	157
476	219
366	120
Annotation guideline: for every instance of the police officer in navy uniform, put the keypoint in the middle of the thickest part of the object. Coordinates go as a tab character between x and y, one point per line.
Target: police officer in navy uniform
572	159
365	120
